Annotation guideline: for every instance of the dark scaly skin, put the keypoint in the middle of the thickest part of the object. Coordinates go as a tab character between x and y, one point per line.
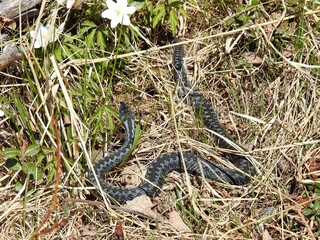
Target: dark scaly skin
201	104
112	160
166	163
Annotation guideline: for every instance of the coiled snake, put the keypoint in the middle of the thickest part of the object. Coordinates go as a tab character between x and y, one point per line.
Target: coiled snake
168	162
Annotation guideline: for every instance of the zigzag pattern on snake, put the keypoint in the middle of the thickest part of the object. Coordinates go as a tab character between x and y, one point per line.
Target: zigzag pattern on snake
168	162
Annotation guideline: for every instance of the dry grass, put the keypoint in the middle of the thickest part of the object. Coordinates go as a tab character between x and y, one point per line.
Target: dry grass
271	107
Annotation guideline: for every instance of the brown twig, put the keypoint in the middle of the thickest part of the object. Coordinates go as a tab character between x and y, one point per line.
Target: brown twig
37	231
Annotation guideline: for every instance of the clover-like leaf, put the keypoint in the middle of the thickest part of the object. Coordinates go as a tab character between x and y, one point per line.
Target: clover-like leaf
30	168
32	150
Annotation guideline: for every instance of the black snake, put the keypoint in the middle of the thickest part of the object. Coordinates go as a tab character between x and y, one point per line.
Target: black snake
162	165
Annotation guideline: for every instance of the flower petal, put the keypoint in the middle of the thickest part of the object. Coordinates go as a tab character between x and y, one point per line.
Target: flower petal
126	20
70	3
61	27
122	4
118	12
111	4
114	22
41	36
37	44
130	10
108	14
32	33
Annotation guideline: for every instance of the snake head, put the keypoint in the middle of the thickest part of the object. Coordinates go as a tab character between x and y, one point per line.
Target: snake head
124	111
172	38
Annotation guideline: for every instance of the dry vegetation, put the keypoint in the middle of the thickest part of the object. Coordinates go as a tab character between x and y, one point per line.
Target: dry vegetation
262	77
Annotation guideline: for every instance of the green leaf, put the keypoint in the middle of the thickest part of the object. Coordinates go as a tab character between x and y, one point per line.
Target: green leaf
47	150
13	164
81	32
174	3
90	38
184	12
58	53
68	51
96	116
51	173
137	135
160	12
73	50
32	150
31	169
138	5
10	153
18	186
173	21
110	123
40	157
243	18
100	41
88	23
149	6
308	212
21	111
255	2
230	22
317	206
68	38
159	8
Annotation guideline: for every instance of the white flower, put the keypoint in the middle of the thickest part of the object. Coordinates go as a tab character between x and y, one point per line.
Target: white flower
70	3
41	35
118	12
42	38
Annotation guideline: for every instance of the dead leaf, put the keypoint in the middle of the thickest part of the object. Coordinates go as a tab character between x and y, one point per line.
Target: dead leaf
119	231
289	51
176	221
142	205
130	175
87	232
7	23
302	201
266	235
252	58
315	163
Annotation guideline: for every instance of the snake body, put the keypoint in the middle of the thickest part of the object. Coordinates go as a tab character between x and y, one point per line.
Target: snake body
173	161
